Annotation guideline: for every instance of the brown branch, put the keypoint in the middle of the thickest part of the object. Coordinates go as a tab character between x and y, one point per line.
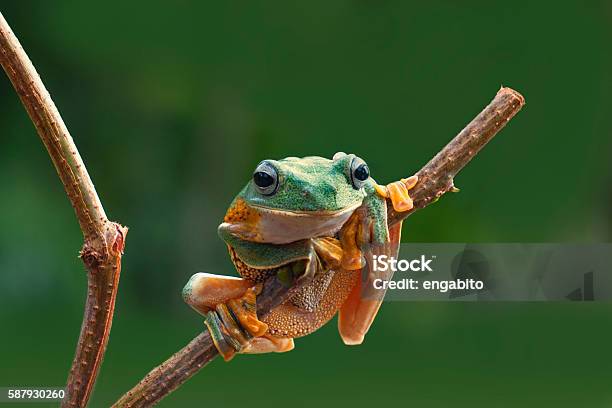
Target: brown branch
435	179
103	240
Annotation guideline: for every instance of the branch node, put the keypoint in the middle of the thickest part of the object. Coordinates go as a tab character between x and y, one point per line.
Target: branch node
90	257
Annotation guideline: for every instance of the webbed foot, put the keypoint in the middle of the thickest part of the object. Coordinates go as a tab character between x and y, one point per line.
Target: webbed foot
233	324
397	192
230	309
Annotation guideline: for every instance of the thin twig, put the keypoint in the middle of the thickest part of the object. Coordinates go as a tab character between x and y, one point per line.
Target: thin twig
103	240
435	179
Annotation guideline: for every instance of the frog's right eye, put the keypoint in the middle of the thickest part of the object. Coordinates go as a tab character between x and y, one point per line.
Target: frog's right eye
265	178
359	173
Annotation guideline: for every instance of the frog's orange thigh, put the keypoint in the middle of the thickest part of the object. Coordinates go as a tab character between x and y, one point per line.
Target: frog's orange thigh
204	290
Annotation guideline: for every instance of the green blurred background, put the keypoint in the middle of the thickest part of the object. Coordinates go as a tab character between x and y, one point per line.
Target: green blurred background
173	103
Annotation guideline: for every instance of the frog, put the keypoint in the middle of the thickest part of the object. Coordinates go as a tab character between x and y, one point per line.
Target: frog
319	221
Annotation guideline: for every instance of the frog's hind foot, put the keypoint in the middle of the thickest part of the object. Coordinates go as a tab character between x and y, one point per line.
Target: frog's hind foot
230	309
234	325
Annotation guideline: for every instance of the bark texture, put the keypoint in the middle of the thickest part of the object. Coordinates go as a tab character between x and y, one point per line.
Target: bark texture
103	240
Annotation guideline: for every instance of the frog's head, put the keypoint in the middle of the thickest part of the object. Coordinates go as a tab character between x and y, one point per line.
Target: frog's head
308	185
296	198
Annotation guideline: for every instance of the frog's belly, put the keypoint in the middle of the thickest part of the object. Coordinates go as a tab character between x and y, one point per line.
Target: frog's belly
288	320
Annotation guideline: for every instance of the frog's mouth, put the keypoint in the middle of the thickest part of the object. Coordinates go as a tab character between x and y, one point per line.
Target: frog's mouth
274	226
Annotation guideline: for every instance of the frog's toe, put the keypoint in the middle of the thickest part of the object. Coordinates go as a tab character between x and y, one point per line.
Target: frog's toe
269	344
411	181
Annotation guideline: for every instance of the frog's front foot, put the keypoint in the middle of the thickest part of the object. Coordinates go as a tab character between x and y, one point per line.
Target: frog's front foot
397	192
230	310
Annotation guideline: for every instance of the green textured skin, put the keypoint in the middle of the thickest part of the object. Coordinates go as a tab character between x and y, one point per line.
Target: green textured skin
309	184
376	213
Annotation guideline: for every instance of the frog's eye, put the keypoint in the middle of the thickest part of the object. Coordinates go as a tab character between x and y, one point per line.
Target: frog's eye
359	172
265	178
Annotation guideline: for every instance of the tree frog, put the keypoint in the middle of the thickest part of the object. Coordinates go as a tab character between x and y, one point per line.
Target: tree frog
317	218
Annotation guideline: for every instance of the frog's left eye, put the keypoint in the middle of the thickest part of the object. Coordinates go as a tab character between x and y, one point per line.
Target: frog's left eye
359	172
265	178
